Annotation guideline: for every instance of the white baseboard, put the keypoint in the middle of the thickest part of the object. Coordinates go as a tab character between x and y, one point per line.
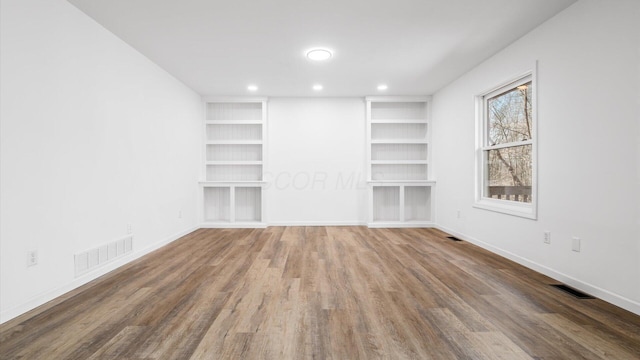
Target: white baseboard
233	225
410	224
596	291
81	280
316	223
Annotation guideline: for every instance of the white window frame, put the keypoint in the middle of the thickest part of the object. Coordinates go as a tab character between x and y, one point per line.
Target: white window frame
510	207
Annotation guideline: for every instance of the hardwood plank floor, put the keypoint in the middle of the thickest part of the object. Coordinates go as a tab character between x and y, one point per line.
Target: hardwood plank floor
321	293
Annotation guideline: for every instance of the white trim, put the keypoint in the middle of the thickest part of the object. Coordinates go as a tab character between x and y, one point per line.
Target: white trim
399	162
47	296
317	223
233	225
506	207
606	295
237	99
507	145
233	142
402	183
400	224
265	159
233	122
525	210
400	121
368	141
398	98
248	183
235	162
399	141
232	204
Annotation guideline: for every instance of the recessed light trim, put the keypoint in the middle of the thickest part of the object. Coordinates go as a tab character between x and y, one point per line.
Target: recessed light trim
382	87
319	54
317	87
252	88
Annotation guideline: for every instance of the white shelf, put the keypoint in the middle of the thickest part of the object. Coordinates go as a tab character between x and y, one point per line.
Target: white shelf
398	134
399	162
217	205
402	204
399	141
233	163
232	183
399	121
403	182
234	142
386	203
233	122
235	129
234	132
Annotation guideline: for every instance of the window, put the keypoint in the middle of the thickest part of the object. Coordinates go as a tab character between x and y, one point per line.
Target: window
506	148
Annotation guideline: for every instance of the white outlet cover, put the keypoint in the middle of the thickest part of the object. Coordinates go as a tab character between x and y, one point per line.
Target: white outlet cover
32	258
575	244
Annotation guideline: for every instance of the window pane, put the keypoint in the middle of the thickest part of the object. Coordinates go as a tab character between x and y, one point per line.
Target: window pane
509	116
509	173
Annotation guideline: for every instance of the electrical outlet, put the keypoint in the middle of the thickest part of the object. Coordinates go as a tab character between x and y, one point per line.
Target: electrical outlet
129	229
458	214
32	258
575	244
179	214
547	237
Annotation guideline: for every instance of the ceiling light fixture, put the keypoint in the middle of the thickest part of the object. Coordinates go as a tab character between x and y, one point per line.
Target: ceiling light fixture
317	87
252	88
319	54
382	87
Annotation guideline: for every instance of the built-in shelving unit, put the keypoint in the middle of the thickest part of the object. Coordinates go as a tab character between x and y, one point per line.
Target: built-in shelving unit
400	188
234	146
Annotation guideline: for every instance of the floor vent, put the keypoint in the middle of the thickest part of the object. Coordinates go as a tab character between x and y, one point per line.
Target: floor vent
96	257
453	238
569	290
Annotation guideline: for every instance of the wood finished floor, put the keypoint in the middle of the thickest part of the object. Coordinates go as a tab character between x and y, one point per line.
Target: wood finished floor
325	293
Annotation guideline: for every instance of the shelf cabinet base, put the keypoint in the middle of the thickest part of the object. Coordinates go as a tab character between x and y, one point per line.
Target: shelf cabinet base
233	225
400	224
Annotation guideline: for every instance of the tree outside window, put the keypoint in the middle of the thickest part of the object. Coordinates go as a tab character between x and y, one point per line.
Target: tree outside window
506	148
509	165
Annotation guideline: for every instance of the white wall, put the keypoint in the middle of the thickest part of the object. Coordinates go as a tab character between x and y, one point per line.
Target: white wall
316	161
589	150
93	136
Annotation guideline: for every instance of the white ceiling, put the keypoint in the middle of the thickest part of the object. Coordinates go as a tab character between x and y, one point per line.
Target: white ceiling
414	46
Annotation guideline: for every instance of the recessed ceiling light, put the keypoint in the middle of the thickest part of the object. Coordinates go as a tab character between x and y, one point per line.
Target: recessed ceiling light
319	54
382	87
317	87
252	88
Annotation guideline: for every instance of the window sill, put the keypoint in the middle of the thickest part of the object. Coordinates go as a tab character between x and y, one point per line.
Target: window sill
513	208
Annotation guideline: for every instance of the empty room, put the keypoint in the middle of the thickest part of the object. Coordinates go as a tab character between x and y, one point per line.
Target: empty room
294	179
